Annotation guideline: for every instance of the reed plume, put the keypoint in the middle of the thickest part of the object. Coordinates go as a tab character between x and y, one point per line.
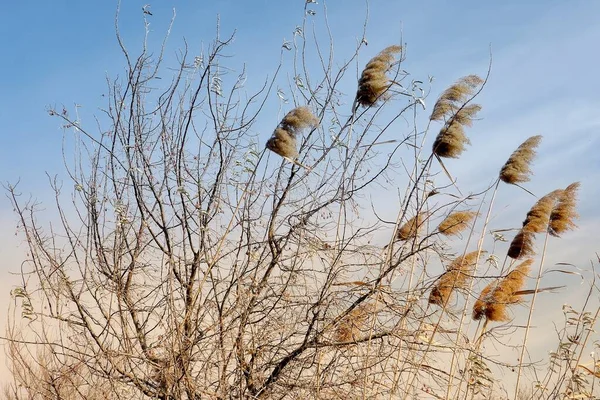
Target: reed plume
495	297
564	213
522	245
410	229
456	277
538	217
536	221
517	169
373	82
456	222
283	141
453	108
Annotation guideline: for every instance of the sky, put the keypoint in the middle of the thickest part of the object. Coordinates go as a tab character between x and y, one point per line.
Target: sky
543	80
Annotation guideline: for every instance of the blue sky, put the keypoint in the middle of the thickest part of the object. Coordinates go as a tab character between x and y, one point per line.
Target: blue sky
544	80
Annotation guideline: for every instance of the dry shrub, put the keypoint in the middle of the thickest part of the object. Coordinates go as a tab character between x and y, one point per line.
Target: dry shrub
451	106
411	228
456	277
517	169
373	82
563	214
495	297
456	222
283	141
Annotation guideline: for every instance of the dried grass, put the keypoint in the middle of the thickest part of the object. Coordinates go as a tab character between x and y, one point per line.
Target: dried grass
451	106
456	222
410	229
283	141
374	83
517	169
456	277
564	213
494	298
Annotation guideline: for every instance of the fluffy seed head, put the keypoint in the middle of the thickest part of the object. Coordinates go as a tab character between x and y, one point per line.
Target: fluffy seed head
456	277
283	140
453	108
451	141
283	143
410	229
538	217
451	100
456	222
564	213
494	298
297	119
517	169
522	245
373	82
536	221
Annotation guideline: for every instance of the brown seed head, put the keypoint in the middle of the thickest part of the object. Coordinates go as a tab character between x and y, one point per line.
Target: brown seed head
495	298
456	277
373	82
451	141
517	169
283	143
453	108
456	222
453	98
538	217
564	213
522	245
297	119
410	229
480	305
283	140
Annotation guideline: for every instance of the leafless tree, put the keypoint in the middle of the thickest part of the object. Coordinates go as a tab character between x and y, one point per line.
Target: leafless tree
186	261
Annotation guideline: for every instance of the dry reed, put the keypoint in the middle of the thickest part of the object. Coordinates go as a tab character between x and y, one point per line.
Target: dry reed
283	141
563	214
538	217
410	229
456	277
374	83
536	221
495	297
522	245
517	169
451	106
456	222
